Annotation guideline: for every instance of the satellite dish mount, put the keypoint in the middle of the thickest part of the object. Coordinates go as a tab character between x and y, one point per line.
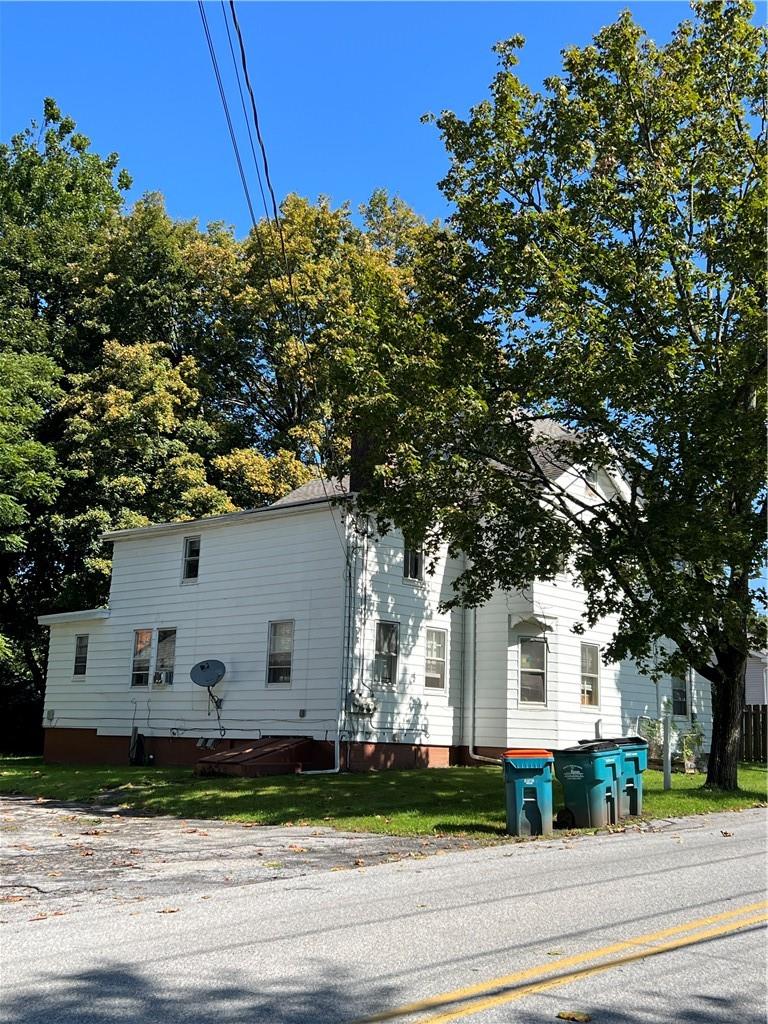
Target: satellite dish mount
207	674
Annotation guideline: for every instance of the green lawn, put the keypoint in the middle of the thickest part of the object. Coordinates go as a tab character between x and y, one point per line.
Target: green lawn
459	801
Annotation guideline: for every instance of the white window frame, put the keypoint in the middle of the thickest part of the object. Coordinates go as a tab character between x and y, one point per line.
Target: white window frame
377	682
155	648
598	680
685	685
443	687
280	683
84	673
185	580
520	670
415	554
139	686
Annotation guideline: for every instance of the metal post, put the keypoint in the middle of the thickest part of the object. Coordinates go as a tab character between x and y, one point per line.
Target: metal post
667	750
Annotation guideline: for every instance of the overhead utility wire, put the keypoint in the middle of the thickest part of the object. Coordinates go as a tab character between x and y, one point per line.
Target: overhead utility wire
276	215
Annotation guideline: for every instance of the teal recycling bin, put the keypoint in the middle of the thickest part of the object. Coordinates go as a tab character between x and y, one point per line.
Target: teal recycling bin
591	776
634	751
528	786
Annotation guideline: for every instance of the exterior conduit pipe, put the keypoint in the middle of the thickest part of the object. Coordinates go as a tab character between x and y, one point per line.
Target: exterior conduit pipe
473	690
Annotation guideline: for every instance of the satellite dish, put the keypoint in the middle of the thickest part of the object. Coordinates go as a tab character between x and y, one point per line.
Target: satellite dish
207	673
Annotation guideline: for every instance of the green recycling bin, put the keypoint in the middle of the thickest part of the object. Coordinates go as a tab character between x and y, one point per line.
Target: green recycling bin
634	751
590	775
528	787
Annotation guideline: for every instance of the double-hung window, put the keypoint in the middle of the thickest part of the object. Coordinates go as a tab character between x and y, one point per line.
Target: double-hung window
191	566
533	671
81	655
679	697
142	657
434	675
385	660
590	674
165	657
413	564
280	658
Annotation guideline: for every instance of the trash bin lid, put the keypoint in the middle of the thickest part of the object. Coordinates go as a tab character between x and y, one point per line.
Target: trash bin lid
619	741
591	747
527	752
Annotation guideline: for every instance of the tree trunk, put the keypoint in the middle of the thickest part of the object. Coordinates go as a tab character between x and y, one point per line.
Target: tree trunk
727	708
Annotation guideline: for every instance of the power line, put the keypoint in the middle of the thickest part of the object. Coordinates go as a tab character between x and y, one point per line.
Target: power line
225	105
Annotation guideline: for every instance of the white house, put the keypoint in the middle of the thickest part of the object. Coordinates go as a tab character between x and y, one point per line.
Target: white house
329	632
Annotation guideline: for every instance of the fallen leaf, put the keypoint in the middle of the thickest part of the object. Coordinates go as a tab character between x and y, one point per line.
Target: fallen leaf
577	1015
295	848
726	834
12	899
38	917
359	862
86	852
169	910
554	952
53	874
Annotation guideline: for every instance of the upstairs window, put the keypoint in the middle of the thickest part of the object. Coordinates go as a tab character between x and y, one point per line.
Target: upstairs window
680	698
413	564
142	657
191	567
434	676
81	655
590	674
533	671
385	660
165	657
280	660
590	474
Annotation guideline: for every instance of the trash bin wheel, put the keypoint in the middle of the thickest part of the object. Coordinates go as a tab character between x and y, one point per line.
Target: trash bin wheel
565	818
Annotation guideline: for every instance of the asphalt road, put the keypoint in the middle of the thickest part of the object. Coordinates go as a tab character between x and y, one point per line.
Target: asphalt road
653	926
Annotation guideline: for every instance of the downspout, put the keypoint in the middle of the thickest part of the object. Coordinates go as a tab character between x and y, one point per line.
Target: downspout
474	756
345	659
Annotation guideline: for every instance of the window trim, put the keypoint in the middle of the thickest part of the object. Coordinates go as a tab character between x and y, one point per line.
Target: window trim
444	687
141	686
396	672
686	687
187	581
532	703
598	677
276	622
155	646
419	553
84	673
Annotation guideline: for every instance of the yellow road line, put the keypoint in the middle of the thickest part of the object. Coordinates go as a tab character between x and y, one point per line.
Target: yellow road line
483	988
584	972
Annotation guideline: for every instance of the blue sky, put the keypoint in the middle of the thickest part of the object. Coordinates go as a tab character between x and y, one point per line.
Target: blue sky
340	87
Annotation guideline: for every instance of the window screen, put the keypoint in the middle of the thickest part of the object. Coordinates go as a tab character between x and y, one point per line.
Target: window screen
280	652
533	671
166	656
590	670
142	655
385	661
413	564
191	558
81	655
434	675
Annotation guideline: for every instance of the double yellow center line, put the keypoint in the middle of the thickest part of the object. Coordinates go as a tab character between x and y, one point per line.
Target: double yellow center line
463	1002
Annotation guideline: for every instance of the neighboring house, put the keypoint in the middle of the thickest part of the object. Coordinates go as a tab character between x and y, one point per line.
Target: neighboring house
756	679
330	632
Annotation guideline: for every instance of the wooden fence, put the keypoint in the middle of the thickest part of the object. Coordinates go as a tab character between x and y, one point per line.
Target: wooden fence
754	734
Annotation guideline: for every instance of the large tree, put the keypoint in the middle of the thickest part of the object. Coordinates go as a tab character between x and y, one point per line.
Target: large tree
615	225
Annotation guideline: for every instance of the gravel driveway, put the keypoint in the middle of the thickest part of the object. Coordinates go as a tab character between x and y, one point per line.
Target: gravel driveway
60	858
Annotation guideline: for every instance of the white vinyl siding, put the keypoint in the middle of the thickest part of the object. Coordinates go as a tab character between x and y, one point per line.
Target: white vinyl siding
533	671
280	652
191	567
80	666
434	674
590	674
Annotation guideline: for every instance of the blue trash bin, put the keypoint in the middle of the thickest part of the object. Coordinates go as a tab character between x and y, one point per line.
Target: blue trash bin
590	775
528	786
634	751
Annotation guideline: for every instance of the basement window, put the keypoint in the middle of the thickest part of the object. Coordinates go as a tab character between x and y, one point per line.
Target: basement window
81	655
